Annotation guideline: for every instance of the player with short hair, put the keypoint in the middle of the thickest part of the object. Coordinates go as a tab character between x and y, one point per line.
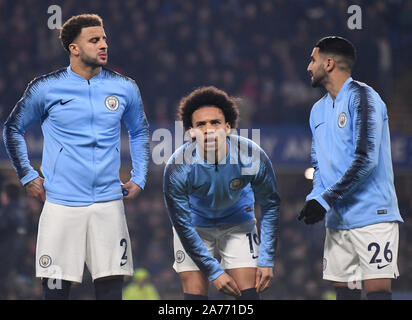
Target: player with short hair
353	178
80	109
210	186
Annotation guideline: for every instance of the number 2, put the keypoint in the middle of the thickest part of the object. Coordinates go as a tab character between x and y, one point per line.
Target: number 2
124	256
378	248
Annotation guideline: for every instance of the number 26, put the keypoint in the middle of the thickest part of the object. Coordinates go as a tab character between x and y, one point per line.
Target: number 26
387	253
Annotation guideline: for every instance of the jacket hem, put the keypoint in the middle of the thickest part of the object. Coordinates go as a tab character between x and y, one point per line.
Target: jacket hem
76	203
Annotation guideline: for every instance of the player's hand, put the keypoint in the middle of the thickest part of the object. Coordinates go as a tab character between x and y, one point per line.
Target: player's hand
312	212
264	277
226	284
35	189
130	190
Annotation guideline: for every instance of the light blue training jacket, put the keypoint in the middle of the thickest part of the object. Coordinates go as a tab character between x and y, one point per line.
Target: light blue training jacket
81	123
200	194
351	154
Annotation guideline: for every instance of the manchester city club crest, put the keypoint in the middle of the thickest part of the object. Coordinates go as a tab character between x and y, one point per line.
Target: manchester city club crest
236	184
112	103
45	261
180	256
343	120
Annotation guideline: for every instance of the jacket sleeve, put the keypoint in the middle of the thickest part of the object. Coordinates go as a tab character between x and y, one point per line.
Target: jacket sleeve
177	204
265	190
318	187
367	133
29	109
135	120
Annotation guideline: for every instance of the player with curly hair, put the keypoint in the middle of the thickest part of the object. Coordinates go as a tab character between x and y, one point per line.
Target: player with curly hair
210	197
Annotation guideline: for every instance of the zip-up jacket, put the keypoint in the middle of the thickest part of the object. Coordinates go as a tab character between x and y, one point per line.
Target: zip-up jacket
351	154
81	124
200	194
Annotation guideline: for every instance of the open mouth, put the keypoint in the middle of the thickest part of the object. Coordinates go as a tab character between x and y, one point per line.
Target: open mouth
210	142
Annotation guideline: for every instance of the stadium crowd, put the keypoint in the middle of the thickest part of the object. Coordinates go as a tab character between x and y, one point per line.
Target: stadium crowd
257	50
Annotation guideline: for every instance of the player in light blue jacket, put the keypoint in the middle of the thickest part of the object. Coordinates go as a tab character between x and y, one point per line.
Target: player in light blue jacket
353	178
80	109
210	186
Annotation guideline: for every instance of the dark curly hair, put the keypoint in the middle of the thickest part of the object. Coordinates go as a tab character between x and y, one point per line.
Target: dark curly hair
73	27
208	96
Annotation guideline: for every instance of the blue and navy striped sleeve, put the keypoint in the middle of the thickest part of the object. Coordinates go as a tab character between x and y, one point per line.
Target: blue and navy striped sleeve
318	186
29	109
366	110
138	127
265	190
177	204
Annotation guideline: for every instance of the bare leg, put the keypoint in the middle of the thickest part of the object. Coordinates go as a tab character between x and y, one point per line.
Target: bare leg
378	289
245	279
194	283
346	292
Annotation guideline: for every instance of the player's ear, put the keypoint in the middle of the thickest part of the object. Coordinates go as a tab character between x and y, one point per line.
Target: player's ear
74	49
329	64
228	128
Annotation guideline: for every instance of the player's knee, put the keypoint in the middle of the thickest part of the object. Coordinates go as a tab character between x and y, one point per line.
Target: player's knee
379	295
249	294
109	288
378	289
375	285
56	289
189	296
345	293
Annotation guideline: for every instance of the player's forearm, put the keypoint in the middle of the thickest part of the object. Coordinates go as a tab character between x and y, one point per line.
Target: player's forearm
194	246
318	187
17	151
367	128
177	204
29	108
266	194
356	174
269	234
139	151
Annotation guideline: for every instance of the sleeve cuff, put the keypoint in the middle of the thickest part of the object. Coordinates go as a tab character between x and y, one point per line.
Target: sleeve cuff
322	202
140	183
216	274
29	177
266	265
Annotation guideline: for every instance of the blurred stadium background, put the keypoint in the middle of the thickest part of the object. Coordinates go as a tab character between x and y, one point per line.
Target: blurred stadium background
255	50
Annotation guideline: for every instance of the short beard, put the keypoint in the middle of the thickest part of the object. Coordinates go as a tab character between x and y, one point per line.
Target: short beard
319	81
93	63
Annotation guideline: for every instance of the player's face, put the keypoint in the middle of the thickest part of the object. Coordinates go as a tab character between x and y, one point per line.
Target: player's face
92	46
316	68
210	128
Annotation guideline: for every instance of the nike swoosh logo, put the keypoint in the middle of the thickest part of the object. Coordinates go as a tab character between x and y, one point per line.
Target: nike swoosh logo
381	267
63	103
122	263
254	257
319	124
